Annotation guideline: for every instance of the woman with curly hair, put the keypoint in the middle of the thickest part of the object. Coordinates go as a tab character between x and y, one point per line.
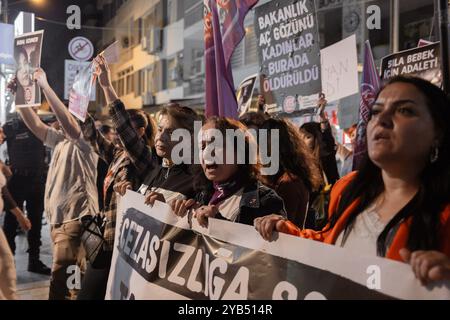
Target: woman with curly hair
298	174
229	188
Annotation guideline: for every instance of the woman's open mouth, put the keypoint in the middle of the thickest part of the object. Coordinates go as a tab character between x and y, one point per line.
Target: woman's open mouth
210	167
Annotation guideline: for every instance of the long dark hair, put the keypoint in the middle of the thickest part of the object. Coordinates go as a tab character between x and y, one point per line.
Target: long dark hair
313	128
295	157
434	189
247	172
143	120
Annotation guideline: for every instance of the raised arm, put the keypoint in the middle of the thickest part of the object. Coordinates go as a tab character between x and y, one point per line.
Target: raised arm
67	121
104	79
34	123
321	104
140	154
31	119
103	147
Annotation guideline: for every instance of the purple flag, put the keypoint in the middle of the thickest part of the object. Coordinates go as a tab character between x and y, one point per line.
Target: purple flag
370	85
224	29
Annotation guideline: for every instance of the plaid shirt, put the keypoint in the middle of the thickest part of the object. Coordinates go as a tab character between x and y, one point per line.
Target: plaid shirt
124	171
139	152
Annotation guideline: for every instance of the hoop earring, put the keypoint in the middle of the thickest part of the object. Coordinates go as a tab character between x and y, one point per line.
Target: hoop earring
434	155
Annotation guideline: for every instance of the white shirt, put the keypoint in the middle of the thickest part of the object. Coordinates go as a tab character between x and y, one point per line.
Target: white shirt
362	238
230	207
71	187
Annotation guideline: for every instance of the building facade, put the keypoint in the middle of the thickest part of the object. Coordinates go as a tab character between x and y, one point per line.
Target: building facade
161	41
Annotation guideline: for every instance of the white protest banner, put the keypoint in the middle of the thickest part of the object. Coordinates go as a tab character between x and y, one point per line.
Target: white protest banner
27	53
339	69
423	62
71	69
157	255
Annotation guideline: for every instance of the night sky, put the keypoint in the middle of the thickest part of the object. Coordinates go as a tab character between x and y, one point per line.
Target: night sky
56	35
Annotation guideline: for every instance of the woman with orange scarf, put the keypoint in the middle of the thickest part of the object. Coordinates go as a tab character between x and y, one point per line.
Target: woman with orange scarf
398	204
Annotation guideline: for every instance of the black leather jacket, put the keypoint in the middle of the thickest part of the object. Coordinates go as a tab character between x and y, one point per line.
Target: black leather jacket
257	201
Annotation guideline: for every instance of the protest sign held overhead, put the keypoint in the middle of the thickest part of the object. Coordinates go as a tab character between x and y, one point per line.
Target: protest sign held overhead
423	62
244	94
111	53
27	53
80	92
84	83
71	70
157	255
288	49
339	69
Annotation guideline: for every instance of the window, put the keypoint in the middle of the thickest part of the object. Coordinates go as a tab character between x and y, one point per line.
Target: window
330	21
136	33
416	22
188	4
129	84
237	57
193	15
141	87
125	82
197	62
154	78
120	90
175	71
152	25
250	46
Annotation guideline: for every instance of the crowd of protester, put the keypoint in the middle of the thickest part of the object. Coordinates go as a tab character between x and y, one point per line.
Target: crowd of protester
396	205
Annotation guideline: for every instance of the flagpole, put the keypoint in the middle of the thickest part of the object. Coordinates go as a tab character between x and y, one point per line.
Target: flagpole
442	6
